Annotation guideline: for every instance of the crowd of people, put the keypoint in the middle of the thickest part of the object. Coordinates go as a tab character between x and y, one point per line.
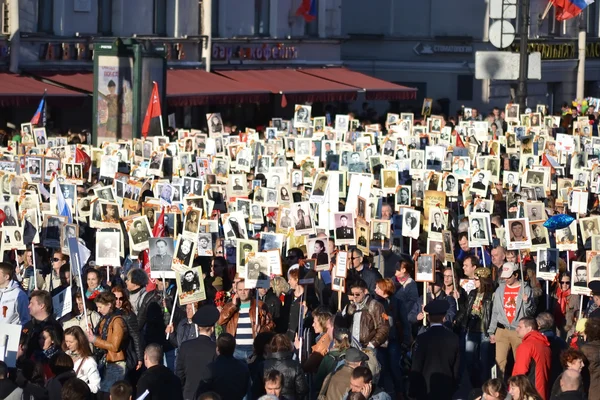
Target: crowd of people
324	258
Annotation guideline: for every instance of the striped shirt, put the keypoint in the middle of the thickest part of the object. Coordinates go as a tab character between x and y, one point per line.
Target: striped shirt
243	333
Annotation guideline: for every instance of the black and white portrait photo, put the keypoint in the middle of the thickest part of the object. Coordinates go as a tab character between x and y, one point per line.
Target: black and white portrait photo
380	233
341	123
302	116
139	231
593	266
301	216
579	278
257	271
205	247
184	253
344	228
190	286
425	268
235	226
215	124
479	226
317	248
411	223
480	182
539	235
403	196
161	257
588	226
34	167
108	245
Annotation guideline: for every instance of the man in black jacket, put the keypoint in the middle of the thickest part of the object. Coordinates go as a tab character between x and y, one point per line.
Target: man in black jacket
158	380
227	376
40	309
195	355
358	269
434	372
147	306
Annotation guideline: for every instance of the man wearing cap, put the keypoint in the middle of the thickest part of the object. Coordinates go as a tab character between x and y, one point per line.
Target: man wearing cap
435	292
435	363
512	301
195	355
365	318
337	383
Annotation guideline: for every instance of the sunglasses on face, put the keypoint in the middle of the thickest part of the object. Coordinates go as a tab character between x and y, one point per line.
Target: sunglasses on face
119	298
356	294
55	259
565	282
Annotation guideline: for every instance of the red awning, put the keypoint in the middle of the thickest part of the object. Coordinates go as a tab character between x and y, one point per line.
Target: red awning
296	86
376	89
198	87
77	80
18	90
184	87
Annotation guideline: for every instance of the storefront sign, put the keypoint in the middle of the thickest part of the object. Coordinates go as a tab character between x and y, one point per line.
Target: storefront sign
428	49
84	52
561	51
260	52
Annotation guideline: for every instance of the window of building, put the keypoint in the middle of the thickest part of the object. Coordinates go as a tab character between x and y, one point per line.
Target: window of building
160	17
215	18
312	28
45	16
105	17
591	16
262	12
464	90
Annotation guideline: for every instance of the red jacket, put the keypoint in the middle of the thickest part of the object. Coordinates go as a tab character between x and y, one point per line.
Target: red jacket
533	359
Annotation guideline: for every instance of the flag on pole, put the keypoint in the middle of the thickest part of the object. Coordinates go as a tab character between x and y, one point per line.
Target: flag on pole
146	266
567	9
307	10
81	157
61	204
152	111
159	226
39	118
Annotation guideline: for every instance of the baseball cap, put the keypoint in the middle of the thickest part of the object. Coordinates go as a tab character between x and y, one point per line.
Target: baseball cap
508	269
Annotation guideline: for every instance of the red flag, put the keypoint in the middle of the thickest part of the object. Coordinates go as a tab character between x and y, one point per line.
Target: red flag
146	260
152	111
81	157
459	142
547	163
159	226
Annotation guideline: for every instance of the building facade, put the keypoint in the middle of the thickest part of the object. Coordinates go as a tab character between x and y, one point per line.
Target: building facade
432	47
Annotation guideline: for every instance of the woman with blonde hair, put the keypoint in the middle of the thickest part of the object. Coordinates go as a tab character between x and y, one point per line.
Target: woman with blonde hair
323	327
77	346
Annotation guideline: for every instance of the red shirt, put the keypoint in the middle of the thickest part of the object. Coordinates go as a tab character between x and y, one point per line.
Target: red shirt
510	302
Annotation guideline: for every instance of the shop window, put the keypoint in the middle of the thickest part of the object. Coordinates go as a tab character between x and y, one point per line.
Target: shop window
105	17
464	90
45	16
262	12
160	18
